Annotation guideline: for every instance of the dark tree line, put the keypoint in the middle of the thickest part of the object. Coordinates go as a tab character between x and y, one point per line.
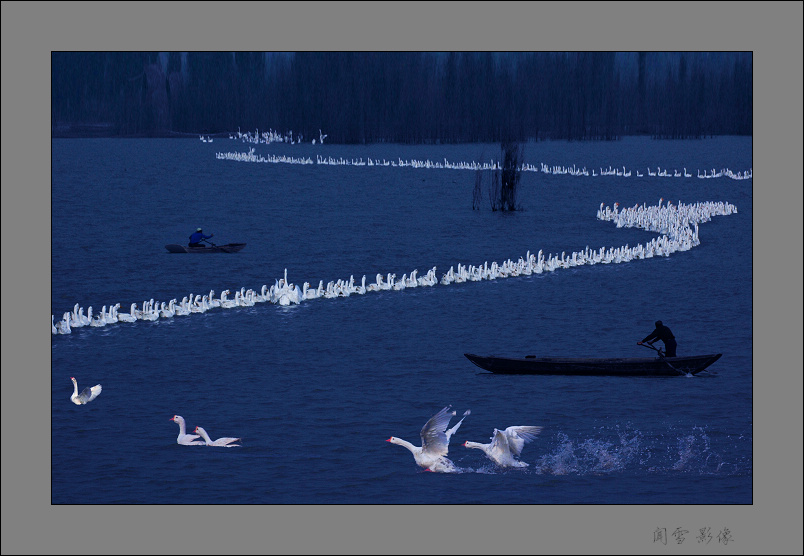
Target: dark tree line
409	97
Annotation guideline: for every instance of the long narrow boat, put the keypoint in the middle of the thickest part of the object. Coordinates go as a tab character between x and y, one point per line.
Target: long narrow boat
581	366
228	248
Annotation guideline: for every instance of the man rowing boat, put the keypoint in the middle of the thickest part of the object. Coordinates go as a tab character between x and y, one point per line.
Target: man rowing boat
662	333
197	237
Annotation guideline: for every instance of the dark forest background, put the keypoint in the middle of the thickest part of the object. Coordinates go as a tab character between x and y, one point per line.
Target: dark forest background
404	97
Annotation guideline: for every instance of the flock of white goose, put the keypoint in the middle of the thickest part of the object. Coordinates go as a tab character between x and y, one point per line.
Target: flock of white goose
271	136
676	224
252	156
268	137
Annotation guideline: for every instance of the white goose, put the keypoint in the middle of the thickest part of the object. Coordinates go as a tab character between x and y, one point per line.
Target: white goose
227	441
402	284
111	317
377	285
78	319
185	439
64	325
86	396
247	298
262	297
128	317
148	311
168	311
199	305
53	329
506	445
431	455
228	303
182	309
309	293
361	289
213	303
100	320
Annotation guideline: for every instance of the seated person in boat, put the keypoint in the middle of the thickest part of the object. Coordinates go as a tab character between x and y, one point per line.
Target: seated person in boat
662	333
197	237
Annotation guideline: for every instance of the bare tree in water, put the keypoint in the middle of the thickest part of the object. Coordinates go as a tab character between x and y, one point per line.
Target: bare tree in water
477	193
510	175
504	183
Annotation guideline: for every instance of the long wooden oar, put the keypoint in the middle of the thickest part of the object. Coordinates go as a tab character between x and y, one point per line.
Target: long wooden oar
662	357
221	247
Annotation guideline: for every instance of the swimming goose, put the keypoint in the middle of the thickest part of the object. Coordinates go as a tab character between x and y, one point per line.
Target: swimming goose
182	308
506	445
86	396
77	318
148	312
128	317
100	320
229	303
213	303
226	441
185	439
309	293
361	289
262	297
431	455
111	316
245	299
198	305
402	284
376	285
64	325
167	311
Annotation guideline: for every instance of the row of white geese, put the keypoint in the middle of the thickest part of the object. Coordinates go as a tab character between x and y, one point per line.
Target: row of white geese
504	449
676	224
252	156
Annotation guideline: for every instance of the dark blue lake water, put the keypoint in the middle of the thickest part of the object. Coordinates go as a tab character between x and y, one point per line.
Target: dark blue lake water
315	389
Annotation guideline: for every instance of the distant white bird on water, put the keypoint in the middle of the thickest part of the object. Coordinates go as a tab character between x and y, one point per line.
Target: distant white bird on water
226	441
506	445
86	396
185	439
431	455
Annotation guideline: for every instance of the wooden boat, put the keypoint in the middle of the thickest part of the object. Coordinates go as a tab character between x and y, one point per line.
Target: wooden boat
581	366
228	248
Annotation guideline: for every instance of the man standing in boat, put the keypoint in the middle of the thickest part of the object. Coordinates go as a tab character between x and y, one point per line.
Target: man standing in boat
662	333
197	237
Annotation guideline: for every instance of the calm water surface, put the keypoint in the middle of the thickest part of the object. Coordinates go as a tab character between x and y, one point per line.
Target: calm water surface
315	389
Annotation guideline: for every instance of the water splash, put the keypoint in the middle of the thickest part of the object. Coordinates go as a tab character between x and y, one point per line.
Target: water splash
625	449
